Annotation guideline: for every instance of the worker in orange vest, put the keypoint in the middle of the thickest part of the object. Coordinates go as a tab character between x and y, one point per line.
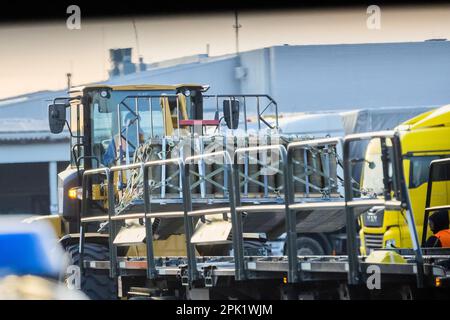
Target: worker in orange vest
439	225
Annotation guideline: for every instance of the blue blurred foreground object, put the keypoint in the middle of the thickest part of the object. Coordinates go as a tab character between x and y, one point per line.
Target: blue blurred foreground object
23	253
32	261
28	249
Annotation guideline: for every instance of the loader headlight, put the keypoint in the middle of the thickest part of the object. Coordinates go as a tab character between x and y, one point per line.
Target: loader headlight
75	193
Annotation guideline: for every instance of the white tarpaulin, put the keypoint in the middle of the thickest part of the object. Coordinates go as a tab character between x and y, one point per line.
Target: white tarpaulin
368	120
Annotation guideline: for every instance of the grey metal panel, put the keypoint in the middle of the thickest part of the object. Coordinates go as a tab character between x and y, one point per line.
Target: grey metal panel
327	77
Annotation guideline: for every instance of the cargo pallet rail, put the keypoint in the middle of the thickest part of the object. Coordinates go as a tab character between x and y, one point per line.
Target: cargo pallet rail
238	275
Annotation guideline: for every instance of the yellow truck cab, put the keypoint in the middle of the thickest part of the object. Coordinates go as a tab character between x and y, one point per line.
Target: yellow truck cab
423	138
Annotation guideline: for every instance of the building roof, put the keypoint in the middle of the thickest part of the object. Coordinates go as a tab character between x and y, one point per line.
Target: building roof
27	131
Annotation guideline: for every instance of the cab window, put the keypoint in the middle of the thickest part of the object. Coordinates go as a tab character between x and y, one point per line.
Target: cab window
419	170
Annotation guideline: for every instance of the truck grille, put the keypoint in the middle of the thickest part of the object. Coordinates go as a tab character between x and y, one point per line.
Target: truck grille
373	241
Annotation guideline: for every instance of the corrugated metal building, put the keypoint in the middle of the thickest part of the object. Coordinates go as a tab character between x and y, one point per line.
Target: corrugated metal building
306	78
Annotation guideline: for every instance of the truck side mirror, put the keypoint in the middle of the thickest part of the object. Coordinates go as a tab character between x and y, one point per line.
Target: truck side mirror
231	113
57	117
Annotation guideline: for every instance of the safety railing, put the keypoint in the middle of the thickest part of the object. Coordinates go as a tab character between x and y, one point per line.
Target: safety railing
262	104
111	218
211	179
85	220
114	219
293	208
312	168
396	196
236	219
148	215
239	255
316	163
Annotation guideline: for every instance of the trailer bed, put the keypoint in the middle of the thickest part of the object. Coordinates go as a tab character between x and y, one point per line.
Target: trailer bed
310	268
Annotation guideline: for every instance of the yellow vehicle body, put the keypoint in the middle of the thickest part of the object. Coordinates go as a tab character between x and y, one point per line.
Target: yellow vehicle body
423	139
174	245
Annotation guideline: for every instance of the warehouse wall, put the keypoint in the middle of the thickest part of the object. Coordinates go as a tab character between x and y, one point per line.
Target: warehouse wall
303	78
351	76
258	67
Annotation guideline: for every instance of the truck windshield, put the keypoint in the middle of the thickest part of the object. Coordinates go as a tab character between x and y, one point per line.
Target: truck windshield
371	183
372	171
121	121
420	166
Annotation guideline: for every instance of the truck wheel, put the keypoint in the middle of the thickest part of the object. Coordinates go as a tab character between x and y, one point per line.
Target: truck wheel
96	284
307	246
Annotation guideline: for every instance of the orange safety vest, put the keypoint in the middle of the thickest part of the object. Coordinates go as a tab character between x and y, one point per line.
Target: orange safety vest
444	237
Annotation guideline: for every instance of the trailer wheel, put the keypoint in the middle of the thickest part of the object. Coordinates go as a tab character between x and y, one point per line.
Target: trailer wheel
307	246
96	284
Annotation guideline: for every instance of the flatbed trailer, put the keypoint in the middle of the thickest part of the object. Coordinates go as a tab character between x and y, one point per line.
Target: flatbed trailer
289	276
311	268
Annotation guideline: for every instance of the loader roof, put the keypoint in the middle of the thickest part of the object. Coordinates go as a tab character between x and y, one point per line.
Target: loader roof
147	87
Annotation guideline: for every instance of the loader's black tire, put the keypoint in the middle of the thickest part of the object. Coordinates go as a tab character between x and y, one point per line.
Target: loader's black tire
96	284
307	246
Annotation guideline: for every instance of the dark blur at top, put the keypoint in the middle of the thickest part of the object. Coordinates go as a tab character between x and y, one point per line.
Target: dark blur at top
39	11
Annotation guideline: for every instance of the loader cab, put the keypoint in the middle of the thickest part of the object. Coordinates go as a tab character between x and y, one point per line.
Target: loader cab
108	123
